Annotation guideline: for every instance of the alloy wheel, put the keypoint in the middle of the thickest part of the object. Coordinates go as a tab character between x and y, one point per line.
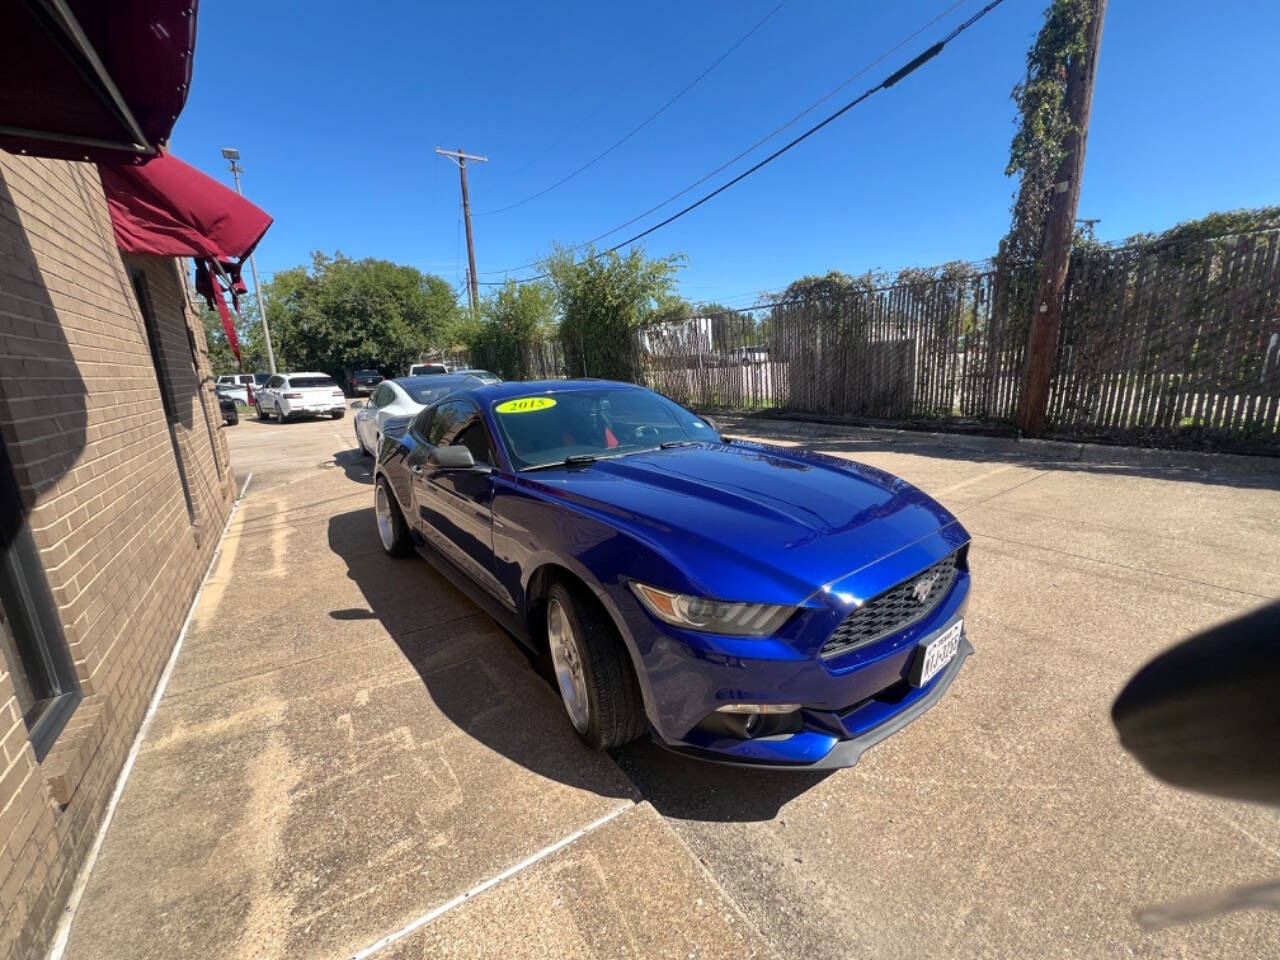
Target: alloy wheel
382	510
566	657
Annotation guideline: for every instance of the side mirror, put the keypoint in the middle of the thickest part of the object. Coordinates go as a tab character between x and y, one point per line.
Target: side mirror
451	458
711	423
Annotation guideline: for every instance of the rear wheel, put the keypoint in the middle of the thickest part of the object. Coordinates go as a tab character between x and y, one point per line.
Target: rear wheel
339	414
232	418
593	670
392	530
262	413
279	414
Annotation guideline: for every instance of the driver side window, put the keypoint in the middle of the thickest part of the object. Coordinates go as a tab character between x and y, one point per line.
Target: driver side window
447	418
458	423
475	438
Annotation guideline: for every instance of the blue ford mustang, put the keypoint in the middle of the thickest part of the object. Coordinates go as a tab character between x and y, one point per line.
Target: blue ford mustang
741	602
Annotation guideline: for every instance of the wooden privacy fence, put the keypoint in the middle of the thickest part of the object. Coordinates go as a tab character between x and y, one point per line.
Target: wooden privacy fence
1171	345
925	351
1176	343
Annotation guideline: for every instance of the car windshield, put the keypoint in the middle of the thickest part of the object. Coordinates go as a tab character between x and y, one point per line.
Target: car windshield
261	378
311	382
549	428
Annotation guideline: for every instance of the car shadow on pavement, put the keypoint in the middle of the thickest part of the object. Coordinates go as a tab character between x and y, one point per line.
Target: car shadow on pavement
476	674
466	660
355	465
687	789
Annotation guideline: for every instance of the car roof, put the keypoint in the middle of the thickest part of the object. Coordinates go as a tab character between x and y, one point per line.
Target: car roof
304	373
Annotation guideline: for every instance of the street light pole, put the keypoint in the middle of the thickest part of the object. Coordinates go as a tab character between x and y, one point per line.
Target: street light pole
232	154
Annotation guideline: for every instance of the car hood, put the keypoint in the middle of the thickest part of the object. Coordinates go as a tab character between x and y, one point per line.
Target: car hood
752	521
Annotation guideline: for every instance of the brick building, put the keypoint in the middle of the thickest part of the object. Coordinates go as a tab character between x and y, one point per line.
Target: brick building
115	486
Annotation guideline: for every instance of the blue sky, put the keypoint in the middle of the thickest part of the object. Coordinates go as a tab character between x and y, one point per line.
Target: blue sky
337	112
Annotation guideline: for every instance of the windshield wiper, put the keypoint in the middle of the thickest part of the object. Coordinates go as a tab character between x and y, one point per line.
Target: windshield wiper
672	444
577	458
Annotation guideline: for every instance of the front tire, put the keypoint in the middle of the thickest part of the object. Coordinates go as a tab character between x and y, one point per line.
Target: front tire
593	670
392	530
262	413
339	414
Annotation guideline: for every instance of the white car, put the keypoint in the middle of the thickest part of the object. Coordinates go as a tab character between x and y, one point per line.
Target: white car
394	403
288	395
238	386
433	368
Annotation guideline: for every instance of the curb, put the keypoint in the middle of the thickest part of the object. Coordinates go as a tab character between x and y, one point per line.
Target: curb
1056	450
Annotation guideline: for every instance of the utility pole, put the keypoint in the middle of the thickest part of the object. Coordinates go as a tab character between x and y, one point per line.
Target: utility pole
460	158
1055	257
232	154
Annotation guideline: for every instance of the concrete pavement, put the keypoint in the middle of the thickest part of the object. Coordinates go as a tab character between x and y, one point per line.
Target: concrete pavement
352	760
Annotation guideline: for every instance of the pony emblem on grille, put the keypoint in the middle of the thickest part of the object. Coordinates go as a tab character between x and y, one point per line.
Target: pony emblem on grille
920	592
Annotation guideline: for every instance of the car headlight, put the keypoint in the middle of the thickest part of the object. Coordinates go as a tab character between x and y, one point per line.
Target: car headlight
712	616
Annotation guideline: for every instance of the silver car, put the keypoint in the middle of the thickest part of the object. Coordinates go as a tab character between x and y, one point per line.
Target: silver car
394	403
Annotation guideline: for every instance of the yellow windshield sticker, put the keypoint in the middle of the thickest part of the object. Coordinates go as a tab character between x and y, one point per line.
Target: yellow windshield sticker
525	405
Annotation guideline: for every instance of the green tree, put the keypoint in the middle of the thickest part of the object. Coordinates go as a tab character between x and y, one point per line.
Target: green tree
510	321
249	331
603	298
1043	124
345	314
729	328
672	309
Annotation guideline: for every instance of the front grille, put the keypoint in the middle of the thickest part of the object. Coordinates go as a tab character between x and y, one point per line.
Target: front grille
894	610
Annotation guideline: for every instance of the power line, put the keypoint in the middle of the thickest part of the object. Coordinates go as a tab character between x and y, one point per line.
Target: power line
738	156
644	123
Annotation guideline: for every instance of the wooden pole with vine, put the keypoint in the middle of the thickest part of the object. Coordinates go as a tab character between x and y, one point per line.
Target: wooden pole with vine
1075	38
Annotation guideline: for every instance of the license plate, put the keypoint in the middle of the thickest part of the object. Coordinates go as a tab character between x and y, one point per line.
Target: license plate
933	655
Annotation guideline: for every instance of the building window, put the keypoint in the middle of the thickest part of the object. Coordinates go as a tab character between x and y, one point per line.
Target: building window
204	405
143	293
34	649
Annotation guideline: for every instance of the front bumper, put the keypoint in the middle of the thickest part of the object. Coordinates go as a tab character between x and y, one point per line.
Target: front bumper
849	701
819	750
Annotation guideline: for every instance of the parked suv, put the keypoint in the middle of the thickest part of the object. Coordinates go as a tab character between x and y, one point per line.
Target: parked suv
289	395
364	381
423	369
238	386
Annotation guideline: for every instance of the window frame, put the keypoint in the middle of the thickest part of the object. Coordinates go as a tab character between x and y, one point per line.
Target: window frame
32	620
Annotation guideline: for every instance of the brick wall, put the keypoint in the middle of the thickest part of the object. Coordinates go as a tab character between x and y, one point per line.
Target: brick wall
82	420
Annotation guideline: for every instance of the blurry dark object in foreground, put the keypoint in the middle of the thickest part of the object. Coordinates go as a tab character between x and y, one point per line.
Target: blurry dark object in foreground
1205	715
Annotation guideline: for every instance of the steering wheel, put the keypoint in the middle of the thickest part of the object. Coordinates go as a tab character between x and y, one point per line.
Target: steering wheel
646	430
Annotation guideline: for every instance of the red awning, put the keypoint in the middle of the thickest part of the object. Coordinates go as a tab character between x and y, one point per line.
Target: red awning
168	208
87	80
171	209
